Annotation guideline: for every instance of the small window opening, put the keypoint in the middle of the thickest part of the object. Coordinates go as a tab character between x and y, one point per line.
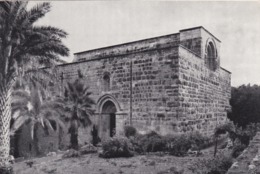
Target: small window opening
211	57
106	80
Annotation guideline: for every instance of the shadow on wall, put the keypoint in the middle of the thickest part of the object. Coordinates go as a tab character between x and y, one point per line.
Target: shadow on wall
22	144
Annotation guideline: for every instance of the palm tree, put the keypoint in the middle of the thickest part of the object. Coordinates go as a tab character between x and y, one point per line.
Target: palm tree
29	108
21	41
77	105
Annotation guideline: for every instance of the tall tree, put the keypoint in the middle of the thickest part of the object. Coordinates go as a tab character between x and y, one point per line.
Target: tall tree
77	105
245	102
29	108
21	42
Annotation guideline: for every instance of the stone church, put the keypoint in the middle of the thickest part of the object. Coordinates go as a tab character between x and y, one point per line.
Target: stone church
172	83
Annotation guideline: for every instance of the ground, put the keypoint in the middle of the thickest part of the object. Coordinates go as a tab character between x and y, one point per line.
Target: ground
152	163
92	164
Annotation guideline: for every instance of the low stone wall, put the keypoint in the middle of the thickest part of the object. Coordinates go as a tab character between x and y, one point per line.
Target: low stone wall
249	161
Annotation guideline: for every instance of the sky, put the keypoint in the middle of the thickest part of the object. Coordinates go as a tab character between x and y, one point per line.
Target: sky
95	24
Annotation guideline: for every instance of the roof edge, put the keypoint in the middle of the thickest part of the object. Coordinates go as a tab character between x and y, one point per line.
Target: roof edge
200	27
225	70
126	43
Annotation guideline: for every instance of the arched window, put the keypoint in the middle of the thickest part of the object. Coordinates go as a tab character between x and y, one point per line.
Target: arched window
211	56
106	82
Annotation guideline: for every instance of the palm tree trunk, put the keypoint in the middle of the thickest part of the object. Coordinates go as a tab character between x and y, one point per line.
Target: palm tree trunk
36	140
5	117
74	138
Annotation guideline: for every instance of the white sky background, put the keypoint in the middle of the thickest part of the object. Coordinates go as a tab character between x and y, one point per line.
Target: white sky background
94	24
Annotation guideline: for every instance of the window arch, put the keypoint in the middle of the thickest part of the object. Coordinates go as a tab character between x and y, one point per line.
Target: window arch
106	82
211	58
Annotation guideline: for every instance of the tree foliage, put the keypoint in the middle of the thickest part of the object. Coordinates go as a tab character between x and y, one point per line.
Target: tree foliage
245	102
22	42
29	108
76	105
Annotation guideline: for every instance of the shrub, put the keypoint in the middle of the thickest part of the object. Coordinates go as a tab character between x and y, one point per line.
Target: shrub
6	170
223	145
178	145
130	131
116	147
136	143
198	141
244	135
218	165
151	142
224	128
237	149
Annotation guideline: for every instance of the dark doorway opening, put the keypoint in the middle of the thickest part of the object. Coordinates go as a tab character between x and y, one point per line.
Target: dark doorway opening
112	124
109	118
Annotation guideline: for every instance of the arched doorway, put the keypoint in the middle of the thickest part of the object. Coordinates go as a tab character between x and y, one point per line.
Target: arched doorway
108	119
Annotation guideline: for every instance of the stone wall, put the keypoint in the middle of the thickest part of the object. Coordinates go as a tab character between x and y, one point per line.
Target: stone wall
167	78
249	161
173	90
204	94
152	73
46	143
24	145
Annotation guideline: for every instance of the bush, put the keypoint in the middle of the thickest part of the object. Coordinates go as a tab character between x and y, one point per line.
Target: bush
178	145
198	141
151	142
116	147
218	165
244	135
6	170
237	149
130	131
228	127
136	143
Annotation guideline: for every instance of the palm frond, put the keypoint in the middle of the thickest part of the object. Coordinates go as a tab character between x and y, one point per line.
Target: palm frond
48	125
79	96
25	40
48	30
21	94
19	104
16	114
38	11
18	123
15	9
5	6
